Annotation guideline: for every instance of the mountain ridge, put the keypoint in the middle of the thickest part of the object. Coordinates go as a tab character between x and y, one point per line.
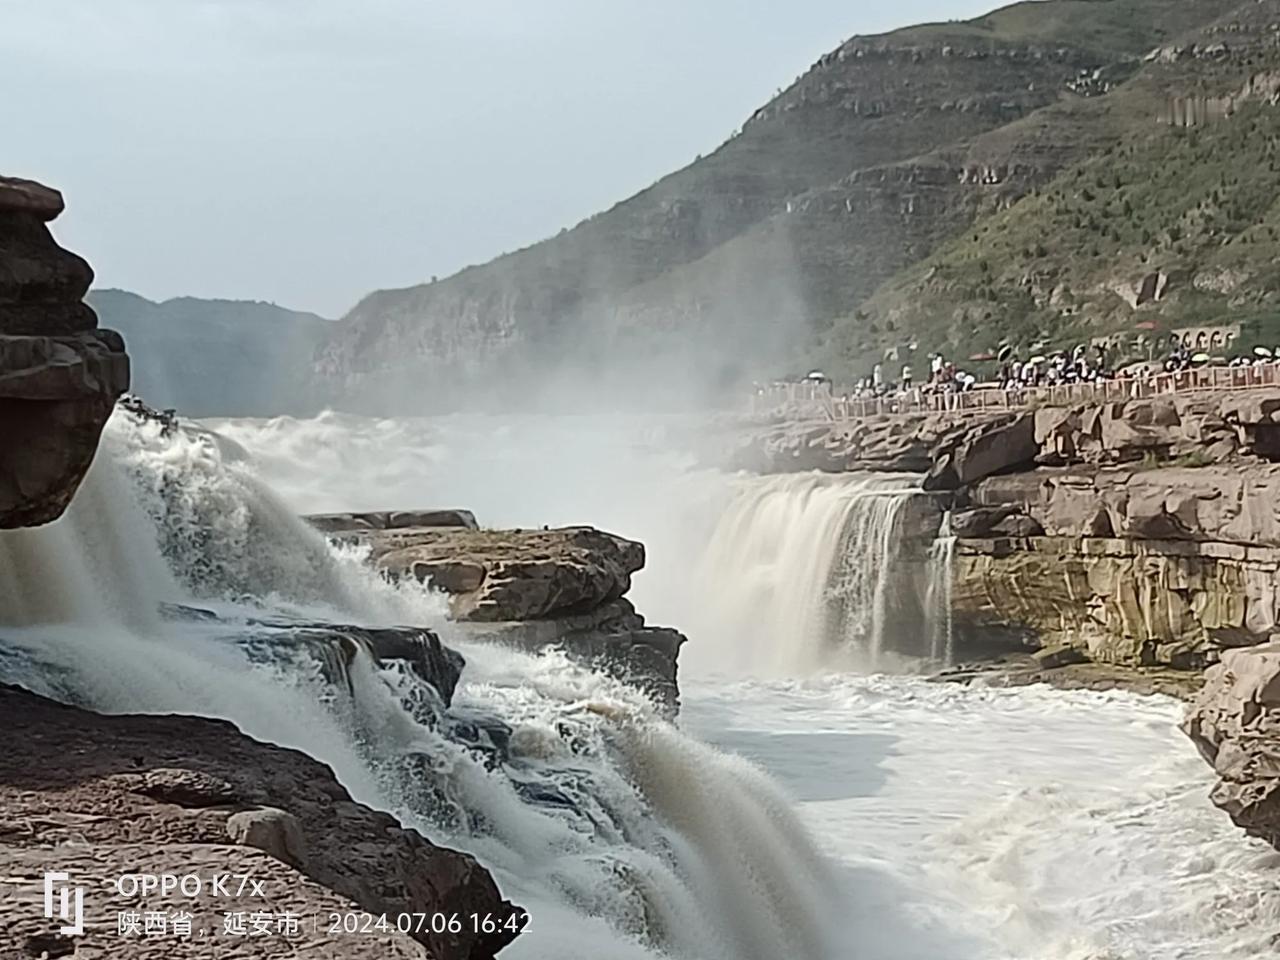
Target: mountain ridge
216	357
911	134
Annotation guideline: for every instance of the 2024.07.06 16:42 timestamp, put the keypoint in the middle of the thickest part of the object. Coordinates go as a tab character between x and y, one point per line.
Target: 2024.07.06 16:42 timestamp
358	922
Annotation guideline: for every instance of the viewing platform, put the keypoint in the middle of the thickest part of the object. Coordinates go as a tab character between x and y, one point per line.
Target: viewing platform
822	401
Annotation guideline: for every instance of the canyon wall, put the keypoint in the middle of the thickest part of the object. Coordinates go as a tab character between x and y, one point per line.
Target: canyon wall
1140	532
767	253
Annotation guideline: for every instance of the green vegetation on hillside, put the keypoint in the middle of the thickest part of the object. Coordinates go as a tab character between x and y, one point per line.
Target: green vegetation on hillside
1200	205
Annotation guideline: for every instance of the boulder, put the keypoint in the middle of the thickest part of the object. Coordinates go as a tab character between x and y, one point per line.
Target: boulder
534	589
504	575
982	451
59	375
273	831
988	522
1235	724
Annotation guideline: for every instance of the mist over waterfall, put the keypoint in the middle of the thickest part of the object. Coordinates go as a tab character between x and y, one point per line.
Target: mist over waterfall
179	582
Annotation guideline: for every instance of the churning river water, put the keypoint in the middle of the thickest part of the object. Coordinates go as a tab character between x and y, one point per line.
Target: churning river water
807	807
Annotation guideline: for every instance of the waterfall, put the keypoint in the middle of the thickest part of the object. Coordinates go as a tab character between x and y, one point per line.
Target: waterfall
800	575
623	837
939	596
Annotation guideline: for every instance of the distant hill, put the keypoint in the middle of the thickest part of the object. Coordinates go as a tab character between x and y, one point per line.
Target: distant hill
1016	176
216	357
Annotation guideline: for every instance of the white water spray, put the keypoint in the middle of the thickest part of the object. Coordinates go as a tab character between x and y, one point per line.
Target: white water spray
620	835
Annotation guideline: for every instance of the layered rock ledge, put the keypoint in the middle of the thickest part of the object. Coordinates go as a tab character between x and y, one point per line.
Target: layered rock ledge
529	588
59	375
99	797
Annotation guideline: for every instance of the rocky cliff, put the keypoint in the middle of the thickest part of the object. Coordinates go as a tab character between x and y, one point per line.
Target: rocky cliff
528	588
770	251
1235	723
59	374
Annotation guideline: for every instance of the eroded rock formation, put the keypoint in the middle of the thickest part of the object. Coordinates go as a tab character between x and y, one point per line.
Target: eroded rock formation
59	374
1235	723
528	588
98	797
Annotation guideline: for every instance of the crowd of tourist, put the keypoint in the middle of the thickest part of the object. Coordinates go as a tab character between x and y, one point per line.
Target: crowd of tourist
1083	365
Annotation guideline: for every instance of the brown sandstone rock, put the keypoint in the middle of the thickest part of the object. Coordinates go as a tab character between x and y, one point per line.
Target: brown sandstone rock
1137	603
391	520
982	451
59	376
100	796
540	588
503	575
1235	723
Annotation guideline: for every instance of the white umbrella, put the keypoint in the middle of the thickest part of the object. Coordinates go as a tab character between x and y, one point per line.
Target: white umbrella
1263	352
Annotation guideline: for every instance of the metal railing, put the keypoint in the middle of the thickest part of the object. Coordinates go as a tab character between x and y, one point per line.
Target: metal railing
821	400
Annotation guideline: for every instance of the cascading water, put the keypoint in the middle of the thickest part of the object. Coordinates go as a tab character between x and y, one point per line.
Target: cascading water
942	556
960	822
810	566
622	837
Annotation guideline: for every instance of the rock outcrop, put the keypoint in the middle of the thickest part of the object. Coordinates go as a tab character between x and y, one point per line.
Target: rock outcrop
59	375
101	797
504	575
529	588
1235	723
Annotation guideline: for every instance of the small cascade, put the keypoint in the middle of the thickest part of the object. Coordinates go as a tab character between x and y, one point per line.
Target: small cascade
800	575
938	599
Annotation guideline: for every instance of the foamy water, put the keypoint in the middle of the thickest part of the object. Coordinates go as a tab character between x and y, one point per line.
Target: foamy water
978	824
813	816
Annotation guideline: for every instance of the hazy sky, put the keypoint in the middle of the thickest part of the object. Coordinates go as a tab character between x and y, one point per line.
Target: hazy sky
309	151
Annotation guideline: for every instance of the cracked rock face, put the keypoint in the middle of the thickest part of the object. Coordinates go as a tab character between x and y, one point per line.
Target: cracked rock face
1235	723
59	374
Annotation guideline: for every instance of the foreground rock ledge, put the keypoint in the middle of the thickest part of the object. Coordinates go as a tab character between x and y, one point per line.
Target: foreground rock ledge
101	796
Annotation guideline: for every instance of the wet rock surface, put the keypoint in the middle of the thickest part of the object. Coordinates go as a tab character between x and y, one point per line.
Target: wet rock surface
535	589
1235	723
100	796
59	375
504	575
